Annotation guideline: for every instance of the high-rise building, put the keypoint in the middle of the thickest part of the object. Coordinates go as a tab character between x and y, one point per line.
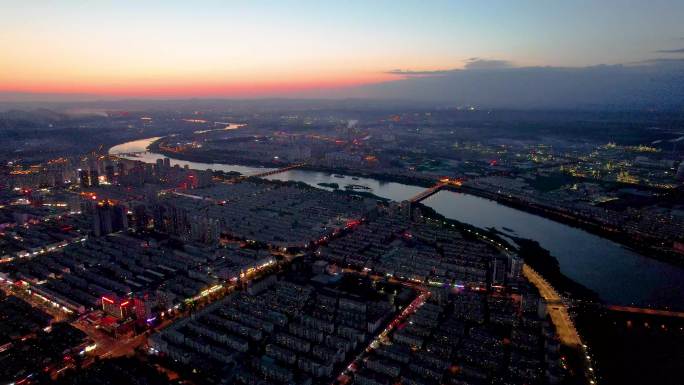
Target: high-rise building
141	218
108	218
204	178
84	178
121	169
94	178
109	173
499	269
515	268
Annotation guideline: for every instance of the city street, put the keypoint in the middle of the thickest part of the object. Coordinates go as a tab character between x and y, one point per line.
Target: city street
557	310
345	376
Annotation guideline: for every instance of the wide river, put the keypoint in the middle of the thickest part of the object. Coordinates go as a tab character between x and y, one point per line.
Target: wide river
619	275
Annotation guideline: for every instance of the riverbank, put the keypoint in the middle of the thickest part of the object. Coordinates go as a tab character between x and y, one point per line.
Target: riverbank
420	181
529	250
650	249
379	176
548	267
364	194
597	263
199	158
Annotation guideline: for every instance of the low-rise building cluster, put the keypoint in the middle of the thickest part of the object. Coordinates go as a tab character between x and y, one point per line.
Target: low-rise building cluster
276	332
420	251
129	276
37	238
467	338
48	352
19	320
271	213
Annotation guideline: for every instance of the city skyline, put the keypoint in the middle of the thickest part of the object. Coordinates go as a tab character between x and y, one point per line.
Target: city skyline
342	192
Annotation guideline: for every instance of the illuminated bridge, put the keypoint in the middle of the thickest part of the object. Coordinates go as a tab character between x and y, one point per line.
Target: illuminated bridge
443	183
427	193
277	171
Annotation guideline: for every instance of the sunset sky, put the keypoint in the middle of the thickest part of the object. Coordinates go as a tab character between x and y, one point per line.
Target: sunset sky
269	48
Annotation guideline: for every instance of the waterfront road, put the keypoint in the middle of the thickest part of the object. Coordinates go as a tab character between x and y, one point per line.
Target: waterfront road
557	310
641	310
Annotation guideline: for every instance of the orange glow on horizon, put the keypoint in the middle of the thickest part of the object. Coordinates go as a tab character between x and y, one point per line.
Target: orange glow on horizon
192	90
195	89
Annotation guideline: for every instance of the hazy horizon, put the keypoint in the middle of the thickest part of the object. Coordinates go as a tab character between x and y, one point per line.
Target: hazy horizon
445	52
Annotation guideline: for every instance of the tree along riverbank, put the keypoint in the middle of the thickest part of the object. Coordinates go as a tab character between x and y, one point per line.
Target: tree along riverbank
529	250
648	247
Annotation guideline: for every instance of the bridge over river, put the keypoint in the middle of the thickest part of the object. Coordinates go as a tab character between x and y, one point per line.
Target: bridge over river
278	171
603	266
442	184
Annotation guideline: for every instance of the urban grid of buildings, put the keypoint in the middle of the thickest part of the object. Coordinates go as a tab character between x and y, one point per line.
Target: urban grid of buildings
222	278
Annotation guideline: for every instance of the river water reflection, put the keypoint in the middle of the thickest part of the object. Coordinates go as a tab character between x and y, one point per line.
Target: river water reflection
137	150
619	275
